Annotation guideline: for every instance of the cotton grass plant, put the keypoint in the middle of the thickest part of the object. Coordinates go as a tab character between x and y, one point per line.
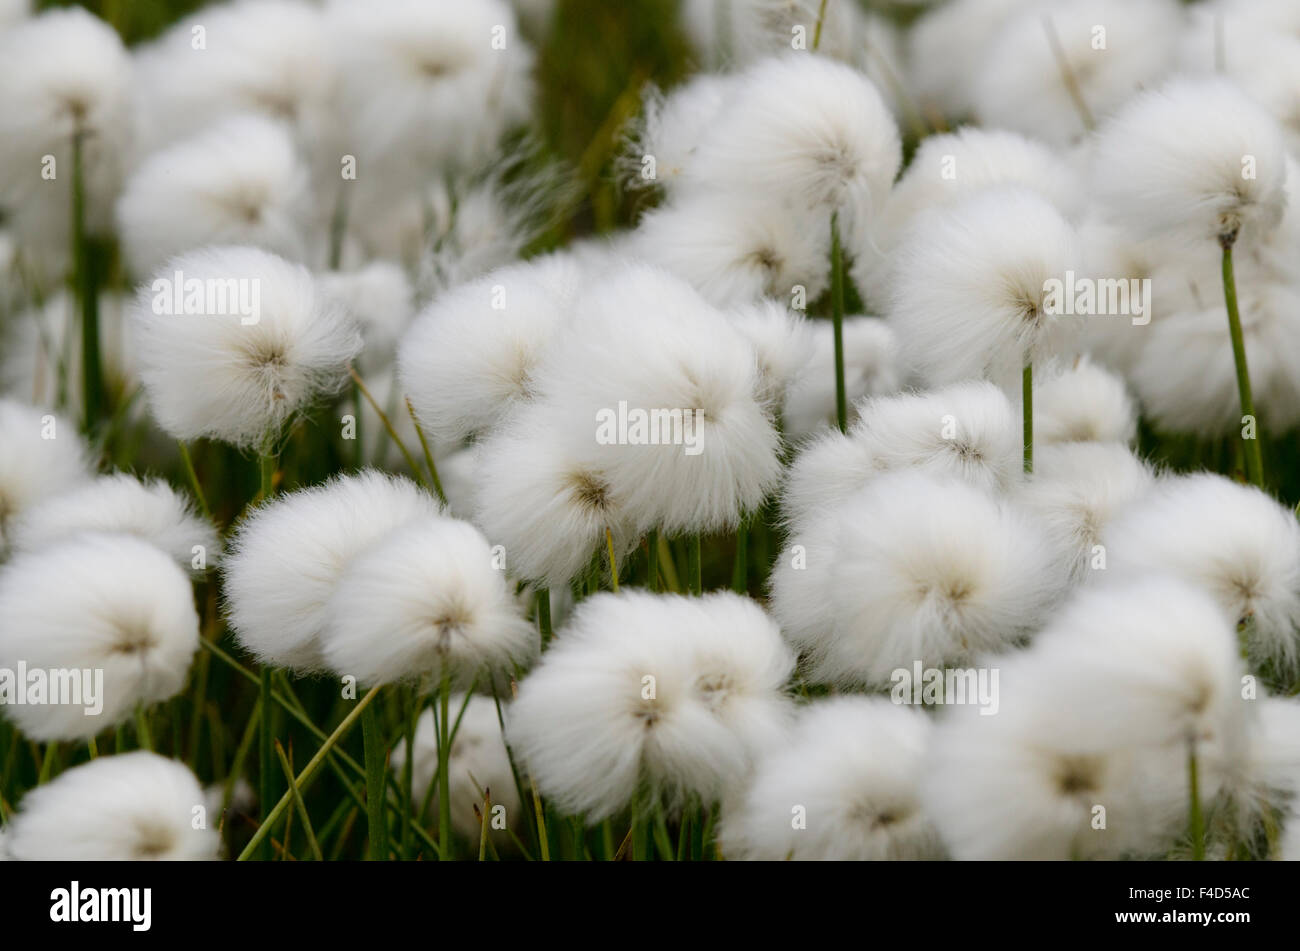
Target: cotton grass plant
471	431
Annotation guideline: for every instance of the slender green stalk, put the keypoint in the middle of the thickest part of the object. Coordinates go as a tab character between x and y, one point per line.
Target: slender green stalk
307	774
265	755
47	764
92	748
483	825
376	755
694	578
837	321
667	566
543	842
1027	391
652	560
428	456
194	479
817	32
544	615
408	773
1195	821
1254	460
299	803
92	371
613	560
444	765
142	733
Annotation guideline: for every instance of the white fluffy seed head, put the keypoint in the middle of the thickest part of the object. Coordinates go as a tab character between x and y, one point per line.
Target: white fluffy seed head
806	128
1231	541
658	695
62	73
852	772
1195	159
642	342
478	763
237	182
1098	711
1083	402
971	294
949	167
734	247
232	58
542	491
430	598
240	364
1109	49
149	509
473	353
287	556
97	601
130	807
429	84
913	568
44	455
1076	489
947	46
662	142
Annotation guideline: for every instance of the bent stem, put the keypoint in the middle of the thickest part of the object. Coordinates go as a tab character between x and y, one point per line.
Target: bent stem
1027	392
92	372
428	456
307	774
1195	822
1254	460
837	322
266	750
193	476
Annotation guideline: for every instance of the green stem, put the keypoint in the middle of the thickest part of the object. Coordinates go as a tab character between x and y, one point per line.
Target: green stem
694	578
307	774
428	455
444	765
837	320
740	569
142	733
193	476
613	561
544	615
817	33
265	756
408	774
1254	459
376	756
1195	821
300	804
652	560
1027	391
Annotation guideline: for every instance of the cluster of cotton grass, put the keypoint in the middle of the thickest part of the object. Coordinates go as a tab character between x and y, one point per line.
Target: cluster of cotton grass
494	486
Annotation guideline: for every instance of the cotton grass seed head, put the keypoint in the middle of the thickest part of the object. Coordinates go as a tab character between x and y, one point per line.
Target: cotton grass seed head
651	695
428	600
130	807
44	455
97	601
971	295
235	342
237	182
287	555
851	771
1231	541
1195	159
913	568
149	509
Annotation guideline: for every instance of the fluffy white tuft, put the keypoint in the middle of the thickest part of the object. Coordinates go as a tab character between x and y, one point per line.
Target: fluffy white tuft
130	807
428	600
852	770
43	456
658	695
287	555
1084	402
217	372
97	601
